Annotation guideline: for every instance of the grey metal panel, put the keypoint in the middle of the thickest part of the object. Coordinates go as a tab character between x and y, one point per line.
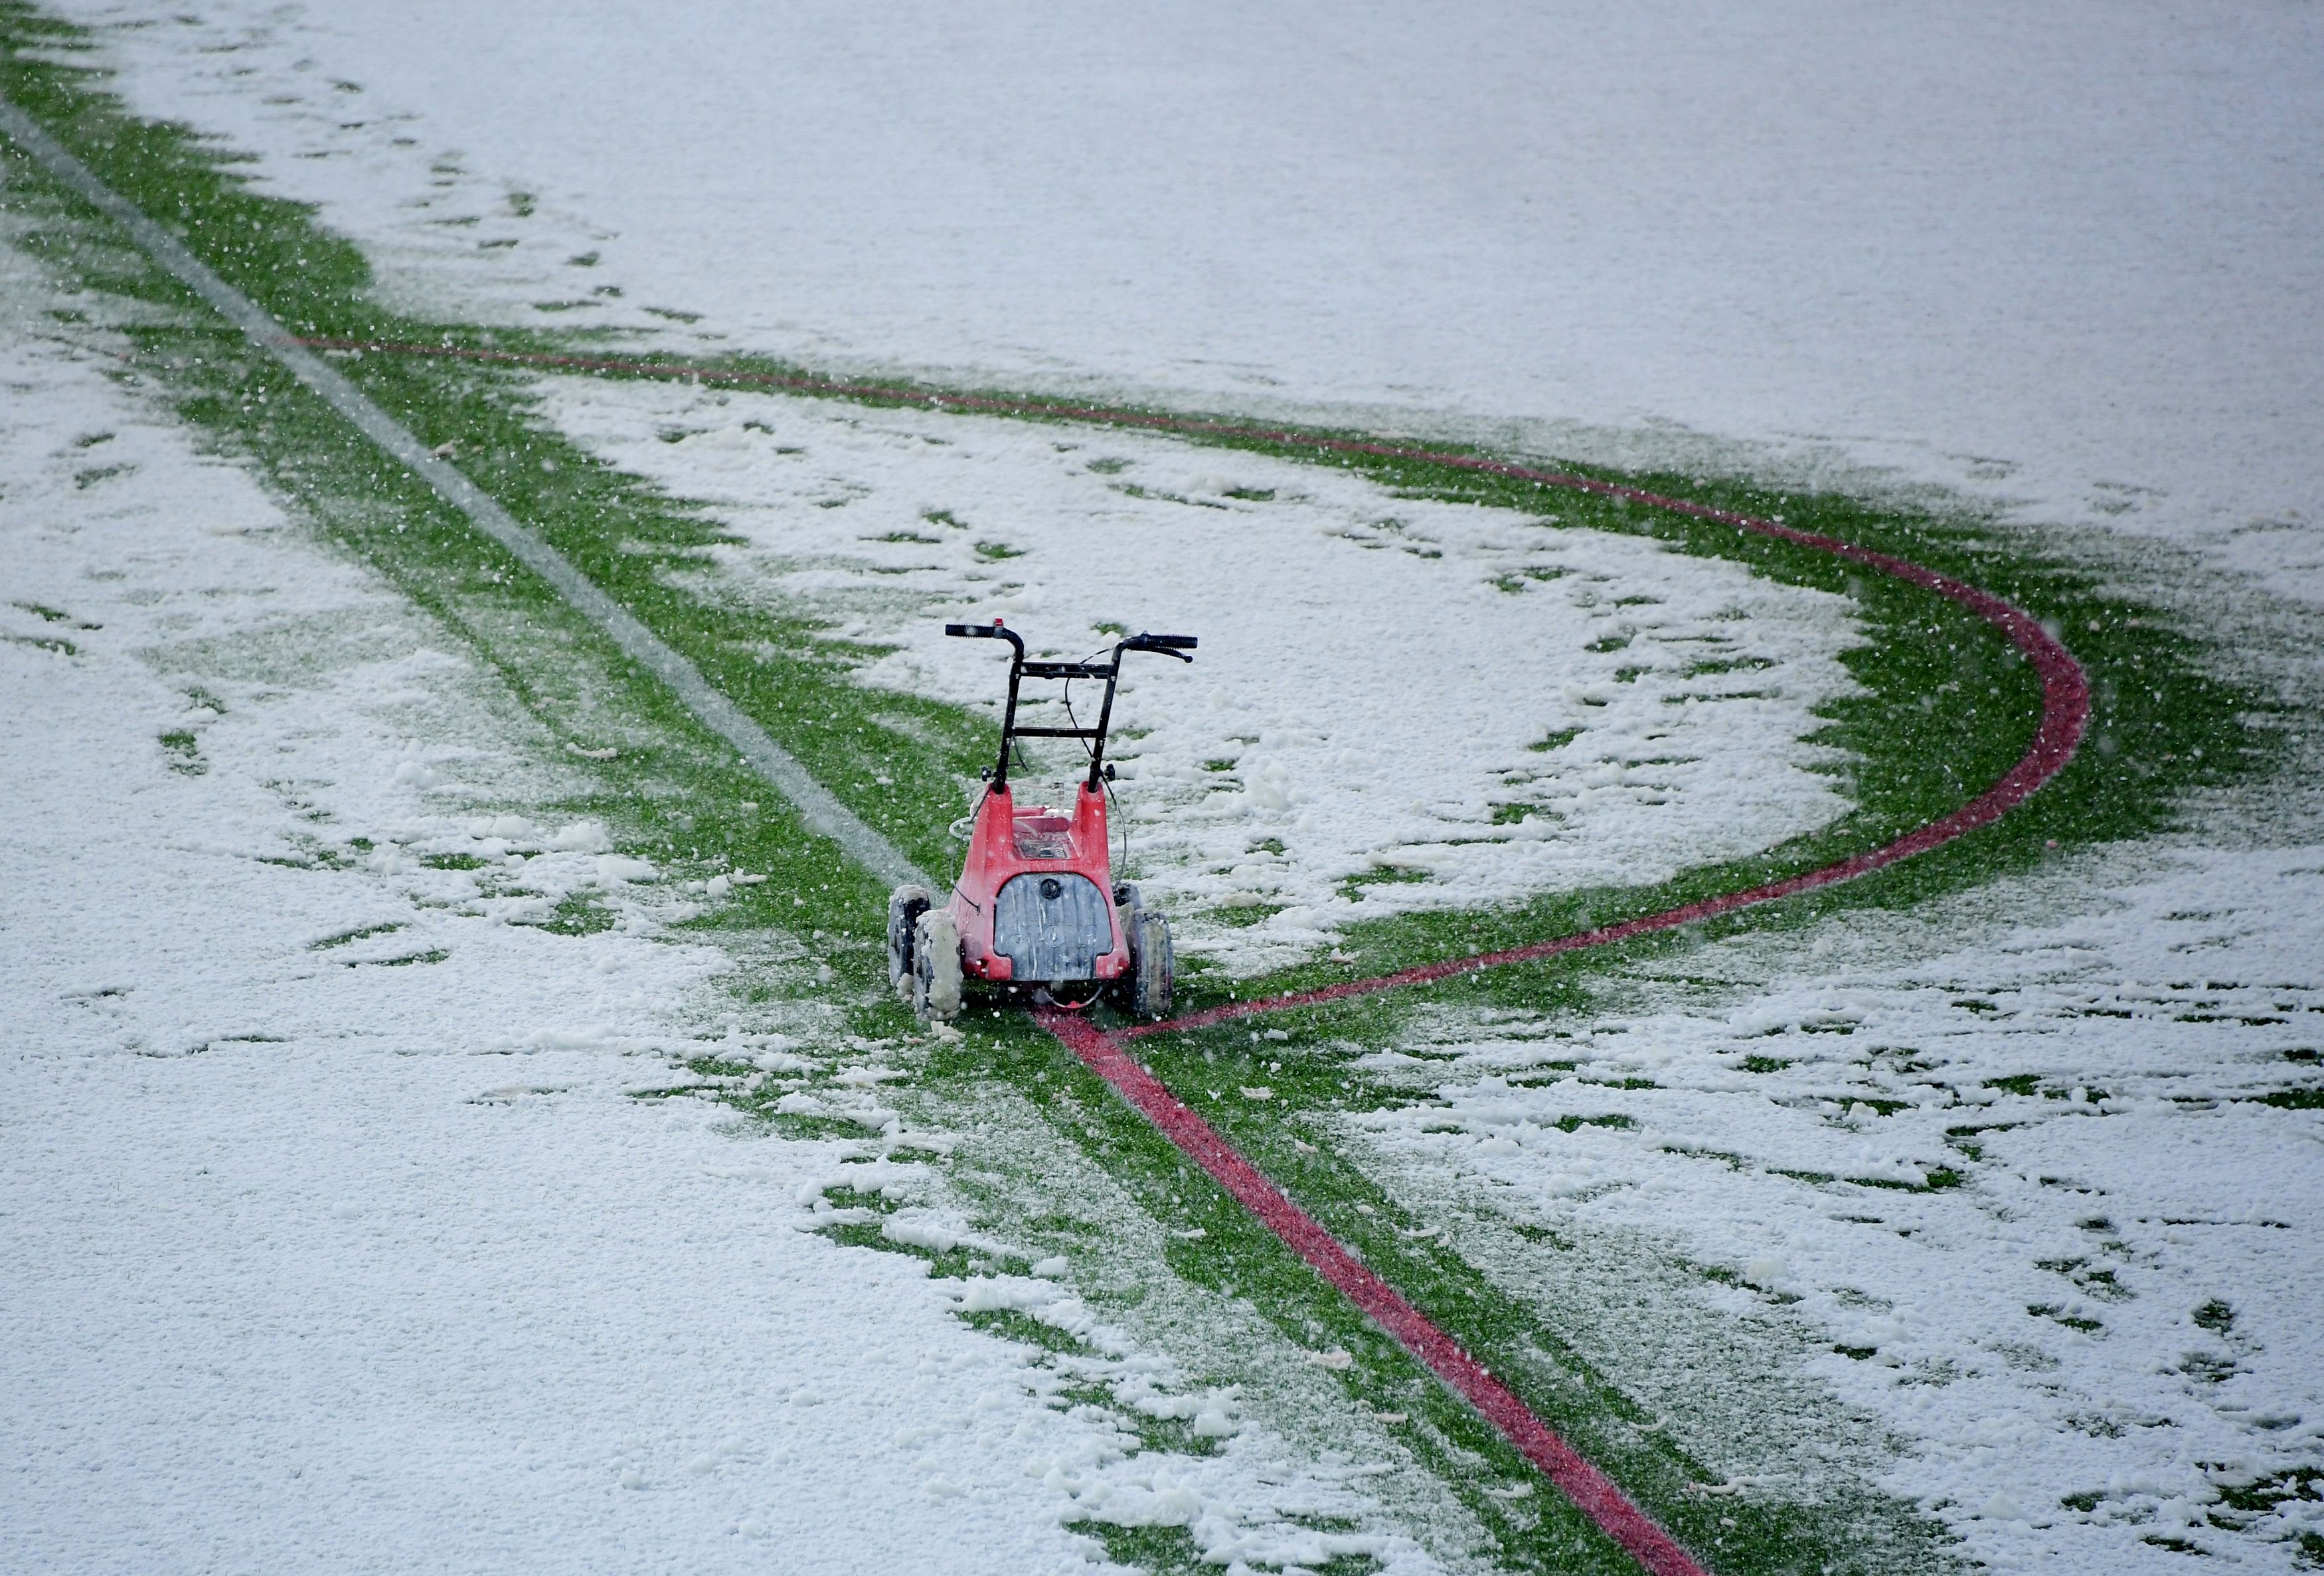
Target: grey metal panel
1052	938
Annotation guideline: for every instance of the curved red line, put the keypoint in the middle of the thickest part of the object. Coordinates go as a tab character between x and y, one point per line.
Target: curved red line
2065	716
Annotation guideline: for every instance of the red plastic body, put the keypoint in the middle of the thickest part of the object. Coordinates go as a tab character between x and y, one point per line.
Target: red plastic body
1010	840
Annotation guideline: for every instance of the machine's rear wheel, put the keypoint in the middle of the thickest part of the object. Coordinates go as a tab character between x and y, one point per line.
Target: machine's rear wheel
935	967
905	906
1151	965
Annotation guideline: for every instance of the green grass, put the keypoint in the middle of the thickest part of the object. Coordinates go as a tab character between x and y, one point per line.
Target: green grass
1946	707
362	933
183	751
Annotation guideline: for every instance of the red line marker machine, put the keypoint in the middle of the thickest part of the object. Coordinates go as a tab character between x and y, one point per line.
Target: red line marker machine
1037	909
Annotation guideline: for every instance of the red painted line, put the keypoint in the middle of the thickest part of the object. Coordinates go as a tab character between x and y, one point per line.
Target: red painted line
2065	715
1560	1462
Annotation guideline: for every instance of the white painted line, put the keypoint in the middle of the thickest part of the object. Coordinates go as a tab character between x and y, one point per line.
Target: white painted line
821	812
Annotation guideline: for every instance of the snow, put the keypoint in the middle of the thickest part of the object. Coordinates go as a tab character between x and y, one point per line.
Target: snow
336	1234
345	1232
1378	675
2063	258
2036	1329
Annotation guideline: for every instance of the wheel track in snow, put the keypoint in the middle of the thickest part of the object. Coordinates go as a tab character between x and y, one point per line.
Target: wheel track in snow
2065	716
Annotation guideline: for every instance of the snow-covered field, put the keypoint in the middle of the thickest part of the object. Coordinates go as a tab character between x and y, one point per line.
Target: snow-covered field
2064	256
334	1236
2121	1304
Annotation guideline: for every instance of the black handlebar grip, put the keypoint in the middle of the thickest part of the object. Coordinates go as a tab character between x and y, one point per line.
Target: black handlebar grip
1174	643
984	629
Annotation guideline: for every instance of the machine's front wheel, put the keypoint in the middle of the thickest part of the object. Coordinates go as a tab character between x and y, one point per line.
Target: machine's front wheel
935	967
1151	965
905	906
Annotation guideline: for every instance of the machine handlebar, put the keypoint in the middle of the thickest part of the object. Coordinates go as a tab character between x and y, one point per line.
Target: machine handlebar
1167	645
994	630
